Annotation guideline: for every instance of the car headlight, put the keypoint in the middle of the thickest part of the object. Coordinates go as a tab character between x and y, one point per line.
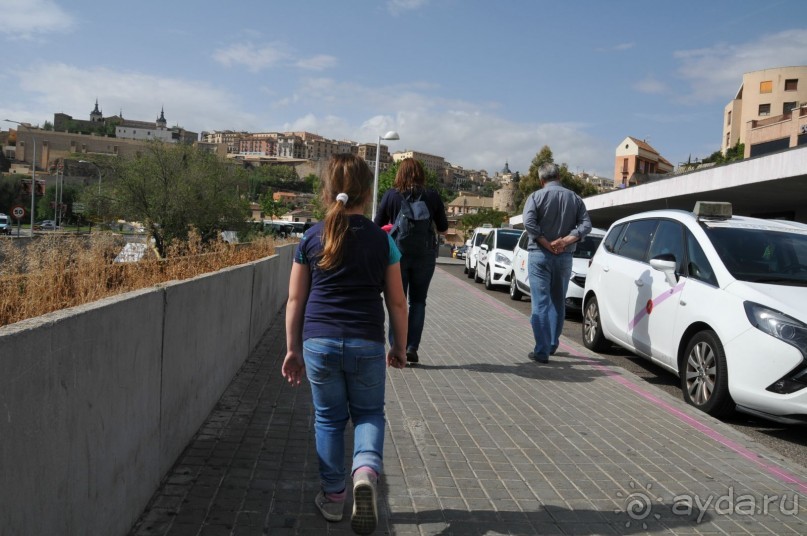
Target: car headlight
786	329
779	325
502	259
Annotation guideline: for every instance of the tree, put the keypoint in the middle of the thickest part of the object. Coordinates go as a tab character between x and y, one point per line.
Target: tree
171	188
494	217
531	182
273	209
733	154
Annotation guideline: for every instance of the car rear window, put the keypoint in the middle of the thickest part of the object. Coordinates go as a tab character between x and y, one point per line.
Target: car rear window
587	247
479	238
508	240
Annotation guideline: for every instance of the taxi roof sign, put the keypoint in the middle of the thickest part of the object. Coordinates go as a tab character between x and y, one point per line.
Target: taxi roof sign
714	210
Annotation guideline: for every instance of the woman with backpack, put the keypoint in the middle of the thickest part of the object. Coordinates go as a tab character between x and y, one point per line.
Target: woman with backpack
335	336
417	214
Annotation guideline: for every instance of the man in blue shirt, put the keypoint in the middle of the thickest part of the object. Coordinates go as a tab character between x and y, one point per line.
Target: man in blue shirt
555	219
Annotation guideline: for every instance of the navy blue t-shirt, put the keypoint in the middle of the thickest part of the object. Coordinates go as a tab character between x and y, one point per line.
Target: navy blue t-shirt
345	302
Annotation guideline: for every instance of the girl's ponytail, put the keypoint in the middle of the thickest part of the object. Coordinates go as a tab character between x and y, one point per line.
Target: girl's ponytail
333	233
348	184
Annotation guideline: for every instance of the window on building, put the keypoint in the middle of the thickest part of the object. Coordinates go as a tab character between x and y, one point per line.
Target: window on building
788	106
728	118
728	139
792	84
764	109
766	86
624	165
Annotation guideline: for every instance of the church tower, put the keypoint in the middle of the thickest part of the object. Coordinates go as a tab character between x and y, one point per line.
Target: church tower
161	122
96	116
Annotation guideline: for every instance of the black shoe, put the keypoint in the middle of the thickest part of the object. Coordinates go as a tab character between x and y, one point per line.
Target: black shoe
532	356
412	357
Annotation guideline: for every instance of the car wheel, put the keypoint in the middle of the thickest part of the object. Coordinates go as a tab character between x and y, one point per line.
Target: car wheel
477	279
465	269
593	339
515	294
488	282
704	375
470	272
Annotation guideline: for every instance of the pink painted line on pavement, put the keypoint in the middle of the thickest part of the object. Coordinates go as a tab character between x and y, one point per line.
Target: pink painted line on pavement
708	431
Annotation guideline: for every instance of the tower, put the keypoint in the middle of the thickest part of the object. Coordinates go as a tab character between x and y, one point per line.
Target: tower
96	116
161	122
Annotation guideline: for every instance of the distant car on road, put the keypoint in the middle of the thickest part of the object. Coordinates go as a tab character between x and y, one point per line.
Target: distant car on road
5	224
720	300
520	280
46	225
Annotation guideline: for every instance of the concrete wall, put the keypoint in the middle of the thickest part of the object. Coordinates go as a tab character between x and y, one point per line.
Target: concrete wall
97	401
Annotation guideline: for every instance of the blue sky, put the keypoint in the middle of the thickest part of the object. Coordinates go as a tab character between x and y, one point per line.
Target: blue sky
478	82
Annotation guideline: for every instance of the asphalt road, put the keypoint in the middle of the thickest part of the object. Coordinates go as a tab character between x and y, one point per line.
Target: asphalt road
788	440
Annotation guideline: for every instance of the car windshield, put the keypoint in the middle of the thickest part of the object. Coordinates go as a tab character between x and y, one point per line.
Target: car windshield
761	254
508	240
587	247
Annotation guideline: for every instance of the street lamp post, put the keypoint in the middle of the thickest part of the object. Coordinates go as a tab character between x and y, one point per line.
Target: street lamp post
33	173
391	135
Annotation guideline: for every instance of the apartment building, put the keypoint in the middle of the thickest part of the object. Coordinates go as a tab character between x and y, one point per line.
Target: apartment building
431	162
367	151
230	138
762	95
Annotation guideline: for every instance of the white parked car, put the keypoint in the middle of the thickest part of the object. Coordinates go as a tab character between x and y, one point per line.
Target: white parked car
473	244
520	277
495	257
720	300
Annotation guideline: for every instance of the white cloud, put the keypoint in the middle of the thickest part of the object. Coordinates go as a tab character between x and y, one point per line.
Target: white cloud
254	57
27	18
317	63
399	6
650	84
715	73
192	104
464	133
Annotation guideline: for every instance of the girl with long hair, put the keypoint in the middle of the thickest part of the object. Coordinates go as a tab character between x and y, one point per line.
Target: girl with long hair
335	336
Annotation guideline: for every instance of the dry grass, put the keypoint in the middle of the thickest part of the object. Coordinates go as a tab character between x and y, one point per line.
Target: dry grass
56	272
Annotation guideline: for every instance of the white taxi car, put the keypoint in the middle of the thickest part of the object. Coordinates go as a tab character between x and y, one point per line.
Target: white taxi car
495	257
720	300
473	243
520	277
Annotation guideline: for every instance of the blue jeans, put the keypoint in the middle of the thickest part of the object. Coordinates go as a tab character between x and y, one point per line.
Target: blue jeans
416	274
347	378
549	280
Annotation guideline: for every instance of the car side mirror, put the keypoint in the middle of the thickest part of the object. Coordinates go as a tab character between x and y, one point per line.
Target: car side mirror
666	264
484	246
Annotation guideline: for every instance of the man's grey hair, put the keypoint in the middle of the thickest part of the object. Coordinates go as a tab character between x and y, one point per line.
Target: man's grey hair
548	172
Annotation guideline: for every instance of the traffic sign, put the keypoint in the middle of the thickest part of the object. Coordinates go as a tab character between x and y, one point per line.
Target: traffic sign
78	208
18	212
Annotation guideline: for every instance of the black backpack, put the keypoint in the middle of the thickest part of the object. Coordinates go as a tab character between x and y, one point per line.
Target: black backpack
413	231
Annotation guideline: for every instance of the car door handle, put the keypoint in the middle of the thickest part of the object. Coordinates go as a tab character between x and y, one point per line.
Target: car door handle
605	268
639	283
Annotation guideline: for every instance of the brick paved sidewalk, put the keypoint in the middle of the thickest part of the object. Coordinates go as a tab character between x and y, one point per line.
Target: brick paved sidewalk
481	440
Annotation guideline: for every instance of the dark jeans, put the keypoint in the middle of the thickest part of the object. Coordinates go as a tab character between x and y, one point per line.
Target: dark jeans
416	273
